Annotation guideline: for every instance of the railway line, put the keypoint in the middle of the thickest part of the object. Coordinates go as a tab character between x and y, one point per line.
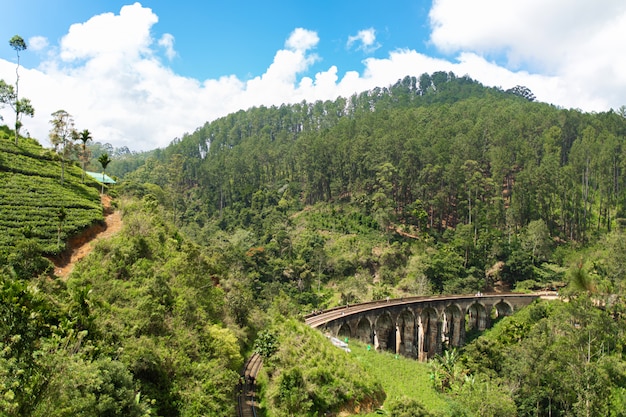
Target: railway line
247	404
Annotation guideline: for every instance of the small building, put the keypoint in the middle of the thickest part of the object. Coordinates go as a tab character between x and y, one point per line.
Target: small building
102	178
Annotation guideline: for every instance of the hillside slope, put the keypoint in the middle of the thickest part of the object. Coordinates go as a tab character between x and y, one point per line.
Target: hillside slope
38	213
441	186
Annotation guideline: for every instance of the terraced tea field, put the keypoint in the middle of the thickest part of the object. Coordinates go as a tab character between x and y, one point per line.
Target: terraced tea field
34	204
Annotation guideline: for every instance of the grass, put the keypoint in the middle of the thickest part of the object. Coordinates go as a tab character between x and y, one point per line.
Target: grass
400	376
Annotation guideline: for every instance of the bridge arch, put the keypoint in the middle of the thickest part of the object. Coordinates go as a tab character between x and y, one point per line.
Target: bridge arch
407	329
344	331
502	309
477	317
364	331
428	332
385	333
453	330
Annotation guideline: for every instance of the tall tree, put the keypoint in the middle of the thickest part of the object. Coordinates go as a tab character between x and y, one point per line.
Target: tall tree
84	137
20	107
104	161
62	136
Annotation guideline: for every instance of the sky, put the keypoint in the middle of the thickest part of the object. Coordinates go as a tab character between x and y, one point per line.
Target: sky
142	74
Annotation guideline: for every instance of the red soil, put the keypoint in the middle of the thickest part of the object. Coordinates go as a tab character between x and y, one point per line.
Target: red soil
81	245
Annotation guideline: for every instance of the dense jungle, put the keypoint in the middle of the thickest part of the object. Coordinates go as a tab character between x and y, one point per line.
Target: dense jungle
232	233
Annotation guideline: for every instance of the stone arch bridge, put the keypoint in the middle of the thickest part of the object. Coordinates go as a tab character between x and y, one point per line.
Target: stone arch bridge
417	327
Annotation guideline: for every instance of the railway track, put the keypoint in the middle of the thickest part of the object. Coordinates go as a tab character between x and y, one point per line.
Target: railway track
247	404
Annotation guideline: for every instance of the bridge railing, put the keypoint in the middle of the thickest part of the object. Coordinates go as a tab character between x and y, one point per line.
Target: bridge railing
411	299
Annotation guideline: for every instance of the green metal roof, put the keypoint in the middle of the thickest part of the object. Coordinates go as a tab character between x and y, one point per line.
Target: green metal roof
101	177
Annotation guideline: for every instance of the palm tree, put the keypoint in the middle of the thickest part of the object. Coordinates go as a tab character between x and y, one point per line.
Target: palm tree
84	137
104	161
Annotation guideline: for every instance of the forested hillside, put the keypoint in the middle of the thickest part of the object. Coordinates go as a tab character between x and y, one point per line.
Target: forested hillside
433	185
493	186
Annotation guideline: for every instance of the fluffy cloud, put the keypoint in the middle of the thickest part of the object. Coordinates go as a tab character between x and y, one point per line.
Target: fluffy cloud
114	84
365	41
302	40
37	43
109	36
575	42
544	34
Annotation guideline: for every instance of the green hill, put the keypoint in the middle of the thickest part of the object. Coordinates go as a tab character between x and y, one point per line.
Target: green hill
36	210
433	185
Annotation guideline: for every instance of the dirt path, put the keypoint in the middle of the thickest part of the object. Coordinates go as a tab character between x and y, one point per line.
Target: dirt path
81	245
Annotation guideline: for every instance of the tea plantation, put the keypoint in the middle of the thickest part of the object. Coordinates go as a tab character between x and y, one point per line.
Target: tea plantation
34	205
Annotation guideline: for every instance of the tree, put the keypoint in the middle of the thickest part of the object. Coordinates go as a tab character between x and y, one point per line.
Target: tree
580	280
84	137
536	241
62	136
104	161
522	91
292	395
8	96
19	106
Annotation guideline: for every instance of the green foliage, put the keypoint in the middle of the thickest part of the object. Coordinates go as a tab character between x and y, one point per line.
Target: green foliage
447	371
77	387
308	376
27	318
160	314
556	359
266	344
485	398
137	329
25	260
406	407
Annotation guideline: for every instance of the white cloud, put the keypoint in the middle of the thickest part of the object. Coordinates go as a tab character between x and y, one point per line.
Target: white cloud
38	43
366	40
167	43
302	40
532	31
105	71
126	35
576	42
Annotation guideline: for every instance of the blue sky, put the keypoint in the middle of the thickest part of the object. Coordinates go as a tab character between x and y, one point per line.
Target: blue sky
141	74
216	38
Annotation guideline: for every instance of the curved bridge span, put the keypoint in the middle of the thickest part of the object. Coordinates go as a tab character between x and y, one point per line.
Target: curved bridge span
417	327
